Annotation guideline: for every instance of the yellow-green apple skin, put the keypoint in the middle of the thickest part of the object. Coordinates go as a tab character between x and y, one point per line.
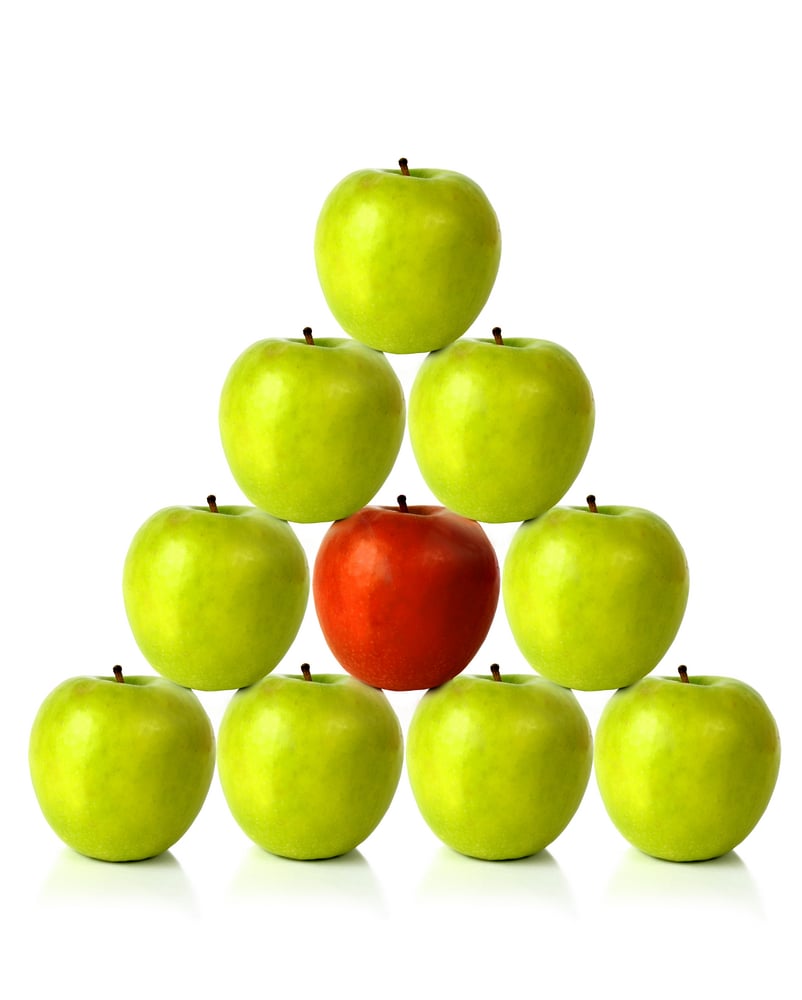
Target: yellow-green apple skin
500	431
498	768
595	600
311	431
406	263
215	598
121	769
309	767
686	770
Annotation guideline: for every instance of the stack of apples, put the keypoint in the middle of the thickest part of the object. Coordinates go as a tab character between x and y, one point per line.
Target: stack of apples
405	595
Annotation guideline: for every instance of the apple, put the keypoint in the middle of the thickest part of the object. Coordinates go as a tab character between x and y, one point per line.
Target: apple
121	765
406	258
215	595
311	428
686	765
498	764
500	428
594	596
405	595
309	764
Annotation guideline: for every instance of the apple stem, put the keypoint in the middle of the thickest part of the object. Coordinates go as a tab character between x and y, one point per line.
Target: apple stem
494	670
306	671
402	504
496	331
307	332
212	502
404	166
683	673
592	504
118	674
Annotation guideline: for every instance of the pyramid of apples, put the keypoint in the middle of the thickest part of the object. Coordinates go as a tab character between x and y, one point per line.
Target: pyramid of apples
405	594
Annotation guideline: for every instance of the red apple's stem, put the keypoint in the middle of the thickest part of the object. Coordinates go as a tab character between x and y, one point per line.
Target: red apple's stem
118	674
683	673
494	670
402	504
592	504
212	502
306	671
404	166
307	331
496	331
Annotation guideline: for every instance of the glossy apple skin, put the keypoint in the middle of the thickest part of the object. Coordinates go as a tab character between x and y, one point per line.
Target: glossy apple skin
310	432
685	771
498	768
405	599
500	431
594	600
309	768
121	770
406	263
214	600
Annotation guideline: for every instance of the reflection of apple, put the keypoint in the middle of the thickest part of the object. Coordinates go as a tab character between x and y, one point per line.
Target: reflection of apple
309	764
686	770
594	596
404	595
215	595
311	428
76	880
498	765
406	258
535	883
500	428
638	882
121	766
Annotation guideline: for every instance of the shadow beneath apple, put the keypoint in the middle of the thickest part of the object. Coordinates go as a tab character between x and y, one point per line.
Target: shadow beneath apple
78	879
723	882
347	881
535	881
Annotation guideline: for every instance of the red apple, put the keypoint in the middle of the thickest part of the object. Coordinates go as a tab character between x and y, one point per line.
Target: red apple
405	595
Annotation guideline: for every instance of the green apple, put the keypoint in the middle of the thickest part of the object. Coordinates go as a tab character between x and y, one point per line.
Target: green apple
686	766
215	595
500	428
594	596
312	427
406	258
121	765
309	764
498	765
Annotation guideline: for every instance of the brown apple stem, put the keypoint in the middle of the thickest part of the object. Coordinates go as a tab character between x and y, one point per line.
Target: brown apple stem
307	331
404	166
683	674
496	331
306	671
118	674
494	670
592	504
212	502
402	504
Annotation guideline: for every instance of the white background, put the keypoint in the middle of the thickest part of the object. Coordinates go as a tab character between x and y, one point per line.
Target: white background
162	169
